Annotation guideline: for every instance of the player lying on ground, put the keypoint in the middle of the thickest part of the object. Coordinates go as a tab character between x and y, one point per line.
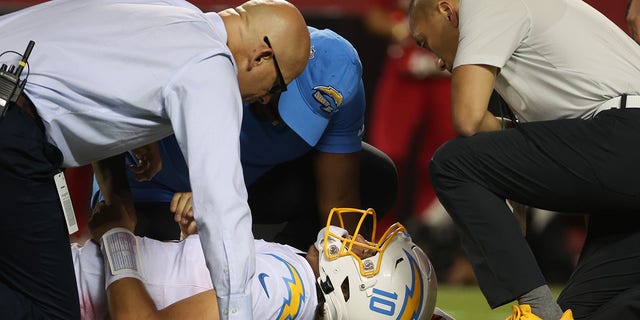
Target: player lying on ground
357	279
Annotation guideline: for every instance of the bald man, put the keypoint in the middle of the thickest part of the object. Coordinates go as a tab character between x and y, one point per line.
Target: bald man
108	76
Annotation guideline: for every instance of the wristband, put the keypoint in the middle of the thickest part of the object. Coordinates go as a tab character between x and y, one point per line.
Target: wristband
121	256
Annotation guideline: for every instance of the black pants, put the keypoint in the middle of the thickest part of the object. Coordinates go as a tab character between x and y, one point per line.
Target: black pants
37	280
606	281
588	166
286	194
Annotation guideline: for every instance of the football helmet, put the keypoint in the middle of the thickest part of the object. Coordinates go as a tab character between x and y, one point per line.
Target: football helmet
391	278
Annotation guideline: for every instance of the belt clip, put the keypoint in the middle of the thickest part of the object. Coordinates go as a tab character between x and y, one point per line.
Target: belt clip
623	101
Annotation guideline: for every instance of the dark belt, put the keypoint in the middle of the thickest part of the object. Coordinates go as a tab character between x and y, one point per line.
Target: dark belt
29	108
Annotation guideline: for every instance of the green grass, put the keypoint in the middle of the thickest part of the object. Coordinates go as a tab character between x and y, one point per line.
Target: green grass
468	303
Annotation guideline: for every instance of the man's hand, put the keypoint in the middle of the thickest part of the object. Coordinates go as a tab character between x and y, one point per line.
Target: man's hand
149	162
181	205
361	251
106	217
633	19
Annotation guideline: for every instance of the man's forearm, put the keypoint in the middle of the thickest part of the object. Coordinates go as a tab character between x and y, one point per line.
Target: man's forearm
338	184
129	299
492	123
112	179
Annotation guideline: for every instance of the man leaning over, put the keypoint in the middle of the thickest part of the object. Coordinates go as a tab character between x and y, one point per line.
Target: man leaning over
108	76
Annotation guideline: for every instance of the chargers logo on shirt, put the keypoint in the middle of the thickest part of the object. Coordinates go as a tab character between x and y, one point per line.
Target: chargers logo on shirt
413	296
328	97
292	304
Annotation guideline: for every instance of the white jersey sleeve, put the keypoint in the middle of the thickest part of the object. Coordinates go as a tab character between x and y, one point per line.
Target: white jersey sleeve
284	285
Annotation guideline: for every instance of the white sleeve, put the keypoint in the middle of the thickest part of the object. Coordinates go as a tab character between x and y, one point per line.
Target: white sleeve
491	31
205	108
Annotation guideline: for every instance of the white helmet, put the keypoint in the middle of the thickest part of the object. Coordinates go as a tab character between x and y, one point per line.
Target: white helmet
396	282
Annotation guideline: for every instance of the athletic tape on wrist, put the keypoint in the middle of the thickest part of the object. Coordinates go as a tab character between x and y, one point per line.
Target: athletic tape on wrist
121	256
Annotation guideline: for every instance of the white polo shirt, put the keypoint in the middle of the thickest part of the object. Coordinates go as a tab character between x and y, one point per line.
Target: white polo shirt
557	58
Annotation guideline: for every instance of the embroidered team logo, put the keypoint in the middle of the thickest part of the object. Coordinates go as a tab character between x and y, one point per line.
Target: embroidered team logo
413	296
328	97
291	305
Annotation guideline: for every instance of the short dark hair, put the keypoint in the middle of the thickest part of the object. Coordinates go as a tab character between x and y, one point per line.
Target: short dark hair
319	313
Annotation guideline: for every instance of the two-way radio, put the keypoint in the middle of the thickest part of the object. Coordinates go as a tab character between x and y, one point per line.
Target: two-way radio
10	85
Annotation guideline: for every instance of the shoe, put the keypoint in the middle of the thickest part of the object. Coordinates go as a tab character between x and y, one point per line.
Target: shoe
438	314
567	315
523	312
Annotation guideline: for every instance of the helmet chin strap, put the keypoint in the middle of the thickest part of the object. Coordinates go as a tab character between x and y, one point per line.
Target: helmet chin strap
334	308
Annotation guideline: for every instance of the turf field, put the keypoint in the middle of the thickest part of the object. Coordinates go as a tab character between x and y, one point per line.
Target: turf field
468	303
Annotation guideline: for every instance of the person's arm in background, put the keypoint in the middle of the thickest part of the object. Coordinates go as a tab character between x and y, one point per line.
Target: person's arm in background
337	183
389	24
633	19
127	297
112	180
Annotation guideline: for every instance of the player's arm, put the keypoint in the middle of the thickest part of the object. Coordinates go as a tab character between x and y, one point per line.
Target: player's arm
128	299
471	87
112	180
338	182
127	296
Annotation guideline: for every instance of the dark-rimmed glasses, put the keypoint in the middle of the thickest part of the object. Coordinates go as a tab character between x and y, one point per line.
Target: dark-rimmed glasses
281	86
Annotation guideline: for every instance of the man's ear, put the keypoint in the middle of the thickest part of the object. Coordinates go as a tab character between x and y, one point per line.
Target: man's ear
260	56
454	18
447	9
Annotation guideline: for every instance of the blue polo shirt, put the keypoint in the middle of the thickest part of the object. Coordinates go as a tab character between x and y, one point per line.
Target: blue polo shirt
334	67
263	146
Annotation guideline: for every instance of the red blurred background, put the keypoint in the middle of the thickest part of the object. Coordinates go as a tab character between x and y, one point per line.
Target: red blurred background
345	17
614	9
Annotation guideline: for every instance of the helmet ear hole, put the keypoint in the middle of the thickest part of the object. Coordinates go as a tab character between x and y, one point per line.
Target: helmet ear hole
345	289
